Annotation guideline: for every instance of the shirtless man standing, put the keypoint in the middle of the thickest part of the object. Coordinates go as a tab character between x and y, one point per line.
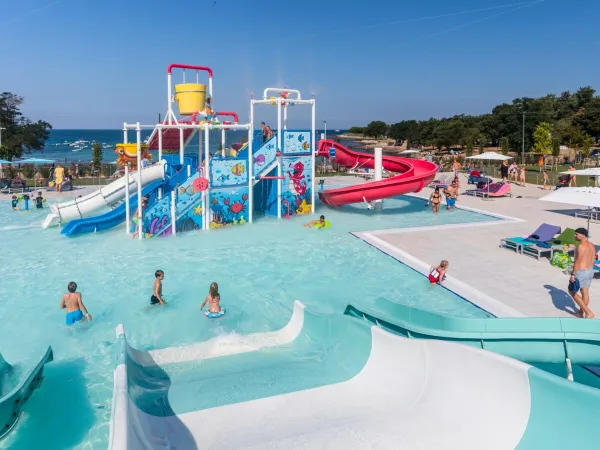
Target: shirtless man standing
583	272
451	193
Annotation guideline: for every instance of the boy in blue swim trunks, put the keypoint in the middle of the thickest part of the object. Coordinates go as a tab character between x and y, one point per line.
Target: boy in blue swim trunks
451	193
15	203
72	301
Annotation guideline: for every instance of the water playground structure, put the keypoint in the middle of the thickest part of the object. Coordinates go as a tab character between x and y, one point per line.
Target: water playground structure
216	187
209	188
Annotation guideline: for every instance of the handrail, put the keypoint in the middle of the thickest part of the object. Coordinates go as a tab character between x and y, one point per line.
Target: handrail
187	66
279	90
228	114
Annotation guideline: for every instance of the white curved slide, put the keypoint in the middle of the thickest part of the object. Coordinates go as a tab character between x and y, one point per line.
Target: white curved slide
103	197
406	393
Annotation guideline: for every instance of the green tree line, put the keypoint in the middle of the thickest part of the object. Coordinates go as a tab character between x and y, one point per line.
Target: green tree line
571	119
19	135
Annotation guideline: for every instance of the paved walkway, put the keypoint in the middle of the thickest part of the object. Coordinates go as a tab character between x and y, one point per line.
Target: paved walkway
524	284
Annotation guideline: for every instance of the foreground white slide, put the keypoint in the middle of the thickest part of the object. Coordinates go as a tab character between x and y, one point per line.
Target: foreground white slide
103	197
410	394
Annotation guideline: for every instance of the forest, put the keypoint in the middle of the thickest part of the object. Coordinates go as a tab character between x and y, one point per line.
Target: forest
569	119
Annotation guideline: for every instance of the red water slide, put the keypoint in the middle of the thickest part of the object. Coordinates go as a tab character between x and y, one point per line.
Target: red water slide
414	174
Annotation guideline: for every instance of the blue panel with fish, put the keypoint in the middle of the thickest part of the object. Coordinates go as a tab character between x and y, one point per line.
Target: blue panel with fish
228	172
264	156
158	218
187	195
191	218
296	195
228	206
297	142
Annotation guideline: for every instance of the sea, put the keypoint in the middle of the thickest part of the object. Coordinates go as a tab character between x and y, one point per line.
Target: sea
75	146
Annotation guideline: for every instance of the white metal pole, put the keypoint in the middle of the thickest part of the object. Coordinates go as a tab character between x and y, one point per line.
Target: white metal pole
160	136
138	132
199	150
169	99
314	151
279	159
127	212
325	122
378	172
285	116
250	176
222	142
207	176
124	133
174	211
181	145
210	86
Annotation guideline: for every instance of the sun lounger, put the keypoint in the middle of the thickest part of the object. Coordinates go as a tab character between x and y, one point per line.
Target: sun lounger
536	244
493	190
16	185
588	213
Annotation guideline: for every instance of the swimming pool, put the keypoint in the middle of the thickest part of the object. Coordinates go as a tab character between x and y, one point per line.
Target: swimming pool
261	269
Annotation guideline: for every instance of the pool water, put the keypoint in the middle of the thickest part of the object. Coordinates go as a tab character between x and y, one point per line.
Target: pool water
261	269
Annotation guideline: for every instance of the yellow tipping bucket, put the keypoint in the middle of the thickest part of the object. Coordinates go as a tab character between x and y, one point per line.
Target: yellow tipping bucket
191	97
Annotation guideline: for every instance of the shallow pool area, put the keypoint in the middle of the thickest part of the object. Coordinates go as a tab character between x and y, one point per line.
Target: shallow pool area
261	269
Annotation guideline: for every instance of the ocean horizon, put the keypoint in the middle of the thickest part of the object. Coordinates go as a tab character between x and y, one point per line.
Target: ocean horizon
75	145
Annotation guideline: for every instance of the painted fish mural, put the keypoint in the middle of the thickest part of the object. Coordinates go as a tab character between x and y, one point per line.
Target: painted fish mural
259	160
187	190
238	169
127	155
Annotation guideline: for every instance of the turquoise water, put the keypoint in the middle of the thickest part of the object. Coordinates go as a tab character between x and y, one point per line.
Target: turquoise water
261	269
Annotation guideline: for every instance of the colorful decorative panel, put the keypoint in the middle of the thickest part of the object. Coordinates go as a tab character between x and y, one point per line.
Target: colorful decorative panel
187	197
191	219
264	156
158	217
296	195
228	206
296	142
228	172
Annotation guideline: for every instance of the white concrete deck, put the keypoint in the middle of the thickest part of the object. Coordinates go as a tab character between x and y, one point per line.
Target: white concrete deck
509	283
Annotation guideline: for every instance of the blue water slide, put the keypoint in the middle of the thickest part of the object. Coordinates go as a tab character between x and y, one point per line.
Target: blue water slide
111	218
117	215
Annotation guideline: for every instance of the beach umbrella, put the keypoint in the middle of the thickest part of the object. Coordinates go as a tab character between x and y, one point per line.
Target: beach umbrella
580	196
490	156
35	162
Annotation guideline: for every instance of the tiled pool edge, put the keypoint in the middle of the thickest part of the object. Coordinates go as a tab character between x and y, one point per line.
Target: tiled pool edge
463	290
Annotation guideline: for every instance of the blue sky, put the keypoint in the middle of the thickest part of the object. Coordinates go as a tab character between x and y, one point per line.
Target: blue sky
84	64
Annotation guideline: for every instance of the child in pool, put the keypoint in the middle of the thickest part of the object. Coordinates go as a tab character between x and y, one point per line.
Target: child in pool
39	201
213	298
15	203
438	274
74	304
157	297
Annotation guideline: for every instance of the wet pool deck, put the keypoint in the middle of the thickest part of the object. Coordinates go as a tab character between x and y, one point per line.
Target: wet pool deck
496	279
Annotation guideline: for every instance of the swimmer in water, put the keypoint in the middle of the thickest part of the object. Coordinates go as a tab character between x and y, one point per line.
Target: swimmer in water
438	274
74	304
15	203
317	223
39	201
157	298
213	298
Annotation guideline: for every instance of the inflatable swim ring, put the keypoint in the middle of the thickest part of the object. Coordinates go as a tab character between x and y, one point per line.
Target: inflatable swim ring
327	224
212	315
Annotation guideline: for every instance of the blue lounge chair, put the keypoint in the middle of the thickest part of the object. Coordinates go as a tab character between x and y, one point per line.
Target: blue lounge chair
536	244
